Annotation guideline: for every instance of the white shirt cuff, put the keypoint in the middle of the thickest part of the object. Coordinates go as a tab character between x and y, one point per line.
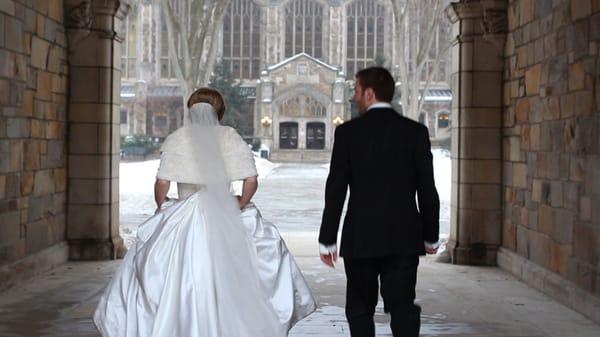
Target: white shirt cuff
432	245
326	250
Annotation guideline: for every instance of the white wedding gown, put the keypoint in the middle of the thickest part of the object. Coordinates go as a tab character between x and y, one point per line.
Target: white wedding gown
192	273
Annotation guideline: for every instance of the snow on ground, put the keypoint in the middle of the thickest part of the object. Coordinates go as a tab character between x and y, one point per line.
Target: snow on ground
137	189
442	166
442	174
136	185
137	181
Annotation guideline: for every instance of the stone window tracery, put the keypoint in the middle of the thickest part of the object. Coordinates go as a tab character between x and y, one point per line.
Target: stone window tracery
365	34
303	106
167	71
241	39
304	28
129	47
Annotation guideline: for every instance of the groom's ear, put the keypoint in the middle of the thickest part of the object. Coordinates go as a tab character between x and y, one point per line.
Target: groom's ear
369	94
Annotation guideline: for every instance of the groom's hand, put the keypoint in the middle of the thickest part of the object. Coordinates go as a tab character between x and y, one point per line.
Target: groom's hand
431	247
329	259
431	250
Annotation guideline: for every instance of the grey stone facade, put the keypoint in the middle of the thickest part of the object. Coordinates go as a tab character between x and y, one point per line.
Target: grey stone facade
306	79
149	77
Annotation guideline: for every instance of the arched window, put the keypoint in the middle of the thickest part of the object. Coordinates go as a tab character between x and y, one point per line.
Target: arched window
123	115
288	135
241	39
129	46
304	28
365	28
443	120
315	136
303	106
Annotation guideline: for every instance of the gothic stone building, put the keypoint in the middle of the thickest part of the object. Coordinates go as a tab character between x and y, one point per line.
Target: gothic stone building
295	59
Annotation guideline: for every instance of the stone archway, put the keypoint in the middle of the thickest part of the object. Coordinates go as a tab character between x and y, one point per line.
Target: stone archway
301	89
303	119
94	128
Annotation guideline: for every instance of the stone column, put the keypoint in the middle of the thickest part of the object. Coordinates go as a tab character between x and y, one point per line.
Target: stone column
477	65
144	66
94	116
264	102
337	22
273	35
140	108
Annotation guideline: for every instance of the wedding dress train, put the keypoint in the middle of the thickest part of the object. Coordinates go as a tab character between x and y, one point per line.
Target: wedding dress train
182	277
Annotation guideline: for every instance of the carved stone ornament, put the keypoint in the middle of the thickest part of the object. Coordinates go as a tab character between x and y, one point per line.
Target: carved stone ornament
495	22
80	15
338	93
463	10
267	92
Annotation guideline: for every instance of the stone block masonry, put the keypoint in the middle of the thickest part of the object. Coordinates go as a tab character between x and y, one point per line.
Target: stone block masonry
558	117
32	101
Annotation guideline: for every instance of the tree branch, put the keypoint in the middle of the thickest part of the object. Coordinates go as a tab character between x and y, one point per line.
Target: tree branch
432	27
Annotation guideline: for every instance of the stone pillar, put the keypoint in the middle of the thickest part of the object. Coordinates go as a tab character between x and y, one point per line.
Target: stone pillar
477	65
94	116
337	24
140	108
273	35
264	100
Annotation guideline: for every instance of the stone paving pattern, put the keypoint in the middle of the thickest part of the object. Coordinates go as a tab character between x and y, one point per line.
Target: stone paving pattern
456	301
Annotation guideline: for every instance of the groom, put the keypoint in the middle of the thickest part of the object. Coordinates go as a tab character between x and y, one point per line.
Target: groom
386	160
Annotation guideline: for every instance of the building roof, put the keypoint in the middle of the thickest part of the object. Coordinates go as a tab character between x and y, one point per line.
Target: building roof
153	91
438	95
297	56
128	91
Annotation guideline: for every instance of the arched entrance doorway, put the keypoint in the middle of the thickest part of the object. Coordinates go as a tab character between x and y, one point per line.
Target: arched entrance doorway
315	135
288	135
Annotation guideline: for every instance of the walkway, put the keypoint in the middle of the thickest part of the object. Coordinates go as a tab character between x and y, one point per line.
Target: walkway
456	300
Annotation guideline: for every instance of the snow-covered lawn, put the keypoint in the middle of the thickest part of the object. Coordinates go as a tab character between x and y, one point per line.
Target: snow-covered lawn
137	189
136	184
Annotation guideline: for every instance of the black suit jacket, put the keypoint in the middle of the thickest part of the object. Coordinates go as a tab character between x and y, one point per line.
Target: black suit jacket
386	160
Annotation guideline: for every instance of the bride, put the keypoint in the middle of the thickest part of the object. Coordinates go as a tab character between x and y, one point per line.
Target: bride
200	267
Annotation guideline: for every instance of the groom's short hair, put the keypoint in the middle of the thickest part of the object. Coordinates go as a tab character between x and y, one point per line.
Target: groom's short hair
210	96
380	80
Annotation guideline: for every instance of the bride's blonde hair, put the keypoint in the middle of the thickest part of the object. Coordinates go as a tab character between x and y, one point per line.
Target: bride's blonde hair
210	96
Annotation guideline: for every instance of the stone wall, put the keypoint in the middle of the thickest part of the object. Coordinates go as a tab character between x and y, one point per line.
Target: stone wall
551	118
33	94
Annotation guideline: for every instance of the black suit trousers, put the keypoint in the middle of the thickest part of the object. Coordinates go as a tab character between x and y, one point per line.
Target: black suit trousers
398	277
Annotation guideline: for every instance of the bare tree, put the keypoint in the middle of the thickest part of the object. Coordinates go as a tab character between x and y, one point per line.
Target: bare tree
416	25
192	31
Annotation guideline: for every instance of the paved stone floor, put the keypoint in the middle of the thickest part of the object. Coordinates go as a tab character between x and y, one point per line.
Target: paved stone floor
456	300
